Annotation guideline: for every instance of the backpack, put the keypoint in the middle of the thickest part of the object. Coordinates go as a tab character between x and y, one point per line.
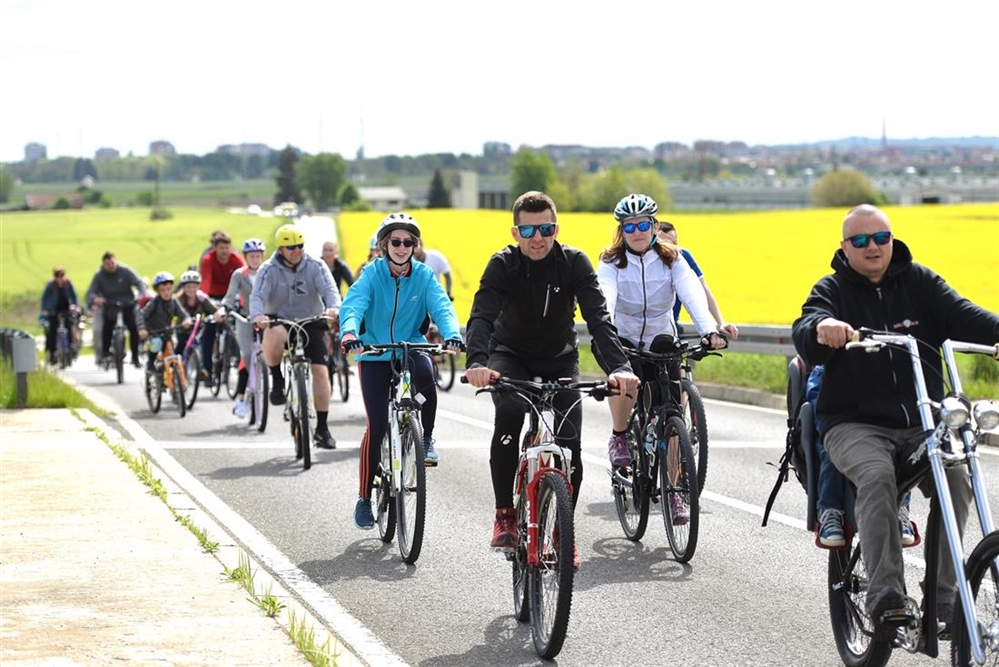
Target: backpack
799	451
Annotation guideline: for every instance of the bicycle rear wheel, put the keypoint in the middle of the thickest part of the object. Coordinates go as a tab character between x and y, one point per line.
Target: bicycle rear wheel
192	369
983	575
697	427
551	583
118	346
678	480
521	603
154	394
631	486
411	502
852	628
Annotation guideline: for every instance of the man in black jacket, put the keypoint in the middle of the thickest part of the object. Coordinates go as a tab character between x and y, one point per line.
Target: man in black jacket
867	404
522	326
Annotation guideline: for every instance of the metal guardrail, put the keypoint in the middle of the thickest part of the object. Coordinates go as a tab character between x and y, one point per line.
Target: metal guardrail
18	348
753	338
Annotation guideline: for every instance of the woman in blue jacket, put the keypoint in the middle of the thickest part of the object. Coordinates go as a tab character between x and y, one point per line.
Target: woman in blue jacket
389	303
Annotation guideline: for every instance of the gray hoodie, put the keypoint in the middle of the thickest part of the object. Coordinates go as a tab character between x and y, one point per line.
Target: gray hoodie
292	292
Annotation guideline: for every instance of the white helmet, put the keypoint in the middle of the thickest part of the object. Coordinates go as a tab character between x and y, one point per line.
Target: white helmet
190	277
253	245
635	206
397	221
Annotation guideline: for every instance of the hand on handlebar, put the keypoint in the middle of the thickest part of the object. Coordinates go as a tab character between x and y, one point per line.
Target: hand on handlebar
454	346
833	333
716	340
261	322
480	376
351	343
626	383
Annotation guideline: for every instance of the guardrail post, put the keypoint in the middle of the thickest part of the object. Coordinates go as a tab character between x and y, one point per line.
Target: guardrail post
20	347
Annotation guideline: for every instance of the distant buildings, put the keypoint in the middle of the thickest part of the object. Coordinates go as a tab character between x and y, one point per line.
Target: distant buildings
34	152
106	154
164	148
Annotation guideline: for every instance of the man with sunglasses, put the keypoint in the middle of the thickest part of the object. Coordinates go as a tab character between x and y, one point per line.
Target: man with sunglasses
292	285
867	405
522	326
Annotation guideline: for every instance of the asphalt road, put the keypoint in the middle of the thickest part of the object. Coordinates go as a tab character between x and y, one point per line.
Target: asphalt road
750	596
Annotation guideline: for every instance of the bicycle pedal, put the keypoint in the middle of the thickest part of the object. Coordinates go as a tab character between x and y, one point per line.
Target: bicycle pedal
430	464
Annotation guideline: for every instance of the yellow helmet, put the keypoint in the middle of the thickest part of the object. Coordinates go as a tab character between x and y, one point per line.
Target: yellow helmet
287	235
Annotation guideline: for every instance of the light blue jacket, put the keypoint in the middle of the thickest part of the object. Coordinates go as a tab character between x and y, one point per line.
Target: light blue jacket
393	308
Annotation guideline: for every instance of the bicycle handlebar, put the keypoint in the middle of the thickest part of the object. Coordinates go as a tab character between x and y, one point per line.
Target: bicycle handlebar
433	348
598	389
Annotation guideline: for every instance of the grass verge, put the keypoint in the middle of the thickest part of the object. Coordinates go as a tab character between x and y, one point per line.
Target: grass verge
45	390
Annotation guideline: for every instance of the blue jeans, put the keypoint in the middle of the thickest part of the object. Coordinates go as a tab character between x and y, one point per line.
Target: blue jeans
831	482
207	343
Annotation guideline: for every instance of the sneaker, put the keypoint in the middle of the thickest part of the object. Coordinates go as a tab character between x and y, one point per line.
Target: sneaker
277	390
505	529
831	528
136	363
891	613
945	619
239	409
908	534
363	518
323	439
430	456
678	510
576	560
618	451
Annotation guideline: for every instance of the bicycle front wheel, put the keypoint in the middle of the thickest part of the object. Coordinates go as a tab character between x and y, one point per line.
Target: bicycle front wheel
446	368
678	480
343	377
697	427
192	369
631	485
384	502
301	418
118	345
230	366
852	628
551	583
153	392
411	501
259	396
983	575
177	389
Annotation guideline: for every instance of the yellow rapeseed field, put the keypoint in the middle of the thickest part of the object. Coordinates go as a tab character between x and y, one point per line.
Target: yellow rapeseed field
760	265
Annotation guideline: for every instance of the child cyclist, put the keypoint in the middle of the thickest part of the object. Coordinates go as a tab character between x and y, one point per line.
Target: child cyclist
159	313
195	303
237	299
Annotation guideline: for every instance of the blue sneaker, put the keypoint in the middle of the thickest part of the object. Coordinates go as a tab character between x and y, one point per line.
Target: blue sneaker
363	518
831	528
430	456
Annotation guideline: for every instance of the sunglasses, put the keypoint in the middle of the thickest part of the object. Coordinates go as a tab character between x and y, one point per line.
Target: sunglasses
297	246
409	243
864	240
527	231
630	227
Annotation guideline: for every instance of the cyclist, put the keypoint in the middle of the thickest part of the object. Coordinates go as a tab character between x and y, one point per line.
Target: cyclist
338	268
160	312
58	299
116	282
521	326
642	276
374	252
866	407
292	285
195	302
391	299
217	267
237	299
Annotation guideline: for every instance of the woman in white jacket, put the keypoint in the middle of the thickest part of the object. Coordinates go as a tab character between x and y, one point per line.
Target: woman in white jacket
641	276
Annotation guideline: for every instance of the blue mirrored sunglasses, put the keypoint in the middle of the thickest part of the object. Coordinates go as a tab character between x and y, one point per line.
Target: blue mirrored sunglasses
630	227
297	246
527	231
864	240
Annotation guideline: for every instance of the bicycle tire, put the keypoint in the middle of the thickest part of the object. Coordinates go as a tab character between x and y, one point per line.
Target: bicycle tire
63	355
983	575
551	582
681	535
384	502
302	405
851	626
215	372
411	503
343	377
697	428
446	369
177	389
230	366
518	558
154	394
192	370
631	485
118	345
259	401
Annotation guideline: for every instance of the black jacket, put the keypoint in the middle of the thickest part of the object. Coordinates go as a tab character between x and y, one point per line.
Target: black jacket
911	299
528	308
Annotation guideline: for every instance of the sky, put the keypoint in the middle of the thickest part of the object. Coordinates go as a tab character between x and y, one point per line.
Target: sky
425	76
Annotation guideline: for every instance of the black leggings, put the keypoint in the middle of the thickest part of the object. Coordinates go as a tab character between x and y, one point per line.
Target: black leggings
504	451
376	377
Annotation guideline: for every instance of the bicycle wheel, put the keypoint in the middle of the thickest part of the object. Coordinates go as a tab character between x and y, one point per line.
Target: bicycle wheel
983	575
521	606
411	503
678	480
154	394
631	486
852	628
215	370
192	369
551	583
343	377
177	388
230	366
63	355
697	427
384	504
445	368
259	400
302	414
118	345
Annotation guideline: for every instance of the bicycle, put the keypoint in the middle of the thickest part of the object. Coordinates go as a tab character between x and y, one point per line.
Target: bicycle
337	365
168	372
400	483
297	370
225	358
663	466
257	382
191	358
542	494
694	417
116	355
445	367
66	345
975	629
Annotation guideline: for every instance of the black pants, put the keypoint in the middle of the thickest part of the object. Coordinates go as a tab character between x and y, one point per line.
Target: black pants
504	451
110	317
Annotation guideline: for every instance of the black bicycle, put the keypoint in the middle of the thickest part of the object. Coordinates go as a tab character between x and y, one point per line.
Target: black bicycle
337	365
115	356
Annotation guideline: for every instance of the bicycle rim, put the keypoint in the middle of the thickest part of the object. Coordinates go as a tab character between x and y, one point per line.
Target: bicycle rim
983	575
551	583
384	502
697	428
852	628
153	393
177	390
411	502
230	367
343	377
192	369
629	486
447	372
521	605
678	480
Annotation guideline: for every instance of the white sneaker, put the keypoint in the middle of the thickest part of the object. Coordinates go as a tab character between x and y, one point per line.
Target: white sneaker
239	409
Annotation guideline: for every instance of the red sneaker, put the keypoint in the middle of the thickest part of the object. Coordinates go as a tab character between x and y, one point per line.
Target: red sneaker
505	529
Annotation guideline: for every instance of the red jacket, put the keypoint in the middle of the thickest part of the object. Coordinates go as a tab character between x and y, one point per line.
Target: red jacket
215	275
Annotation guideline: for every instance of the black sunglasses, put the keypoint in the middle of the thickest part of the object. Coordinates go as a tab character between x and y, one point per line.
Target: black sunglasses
409	243
297	246
864	240
527	231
